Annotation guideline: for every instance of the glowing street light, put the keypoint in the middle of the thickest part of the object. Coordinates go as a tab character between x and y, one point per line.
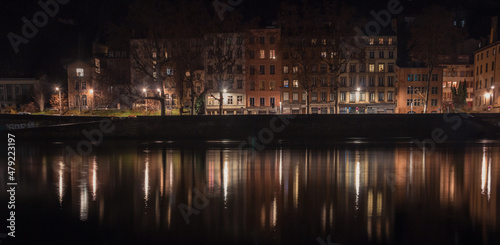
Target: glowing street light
60	101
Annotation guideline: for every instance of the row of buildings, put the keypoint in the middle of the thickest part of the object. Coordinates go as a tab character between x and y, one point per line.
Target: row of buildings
264	77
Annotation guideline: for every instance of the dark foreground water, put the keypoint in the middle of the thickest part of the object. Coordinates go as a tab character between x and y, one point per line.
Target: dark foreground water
134	192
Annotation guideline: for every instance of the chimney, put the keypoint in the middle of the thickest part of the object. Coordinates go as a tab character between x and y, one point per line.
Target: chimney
494	29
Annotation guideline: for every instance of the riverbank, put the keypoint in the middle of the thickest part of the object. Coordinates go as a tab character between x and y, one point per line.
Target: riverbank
259	128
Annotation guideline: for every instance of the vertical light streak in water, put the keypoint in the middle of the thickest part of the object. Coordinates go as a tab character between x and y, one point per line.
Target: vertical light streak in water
423	166
162	178
146	181
226	178
281	166
489	178
296	188
323	217
84	203
357	181
94	179
274	216
484	171
61	182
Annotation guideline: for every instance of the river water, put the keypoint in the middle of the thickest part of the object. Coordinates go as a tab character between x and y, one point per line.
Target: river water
139	192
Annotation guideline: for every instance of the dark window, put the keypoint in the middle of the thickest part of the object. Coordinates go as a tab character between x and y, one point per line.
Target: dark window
272	69
262	69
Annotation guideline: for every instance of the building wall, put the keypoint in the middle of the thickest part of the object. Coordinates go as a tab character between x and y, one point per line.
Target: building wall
16	91
372	89
263	89
486	96
453	74
233	86
407	84
80	85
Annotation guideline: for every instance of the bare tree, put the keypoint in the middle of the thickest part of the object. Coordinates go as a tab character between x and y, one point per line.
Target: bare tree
41	92
223	59
432	35
315	35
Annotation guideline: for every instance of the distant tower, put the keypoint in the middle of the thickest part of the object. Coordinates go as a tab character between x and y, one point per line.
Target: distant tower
494	29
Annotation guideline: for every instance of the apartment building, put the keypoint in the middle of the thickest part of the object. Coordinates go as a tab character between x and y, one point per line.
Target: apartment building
369	85
486	91
453	75
264	73
224	74
412	89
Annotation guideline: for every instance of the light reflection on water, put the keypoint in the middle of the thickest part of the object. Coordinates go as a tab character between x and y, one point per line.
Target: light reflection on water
356	194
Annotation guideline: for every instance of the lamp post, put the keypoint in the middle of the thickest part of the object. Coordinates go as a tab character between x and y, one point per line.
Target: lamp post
145	100
60	101
91	92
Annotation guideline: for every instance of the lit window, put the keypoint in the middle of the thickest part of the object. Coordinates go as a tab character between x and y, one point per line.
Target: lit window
313	41
323	54
295	83
372	41
262	54
154	55
240	100
381	68
272	54
79	72
371	67
295	69
285	69
389	41
285	83
380	41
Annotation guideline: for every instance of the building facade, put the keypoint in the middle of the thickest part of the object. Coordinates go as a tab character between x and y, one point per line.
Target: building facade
412	90
370	86
16	91
81	83
224	73
486	91
453	75
264	72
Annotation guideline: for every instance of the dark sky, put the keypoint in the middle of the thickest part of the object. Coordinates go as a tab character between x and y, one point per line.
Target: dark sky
76	24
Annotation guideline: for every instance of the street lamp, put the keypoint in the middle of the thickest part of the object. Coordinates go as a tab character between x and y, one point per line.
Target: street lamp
145	100
91	92
60	101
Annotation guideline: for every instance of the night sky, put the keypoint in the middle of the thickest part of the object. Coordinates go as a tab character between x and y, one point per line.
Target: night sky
79	22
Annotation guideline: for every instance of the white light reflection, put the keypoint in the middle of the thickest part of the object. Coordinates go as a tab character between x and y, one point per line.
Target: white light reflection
484	171
146	182
226	178
61	182
94	179
357	180
489	179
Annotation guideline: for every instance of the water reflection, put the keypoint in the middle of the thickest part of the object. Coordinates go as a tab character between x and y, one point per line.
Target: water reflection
356	194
